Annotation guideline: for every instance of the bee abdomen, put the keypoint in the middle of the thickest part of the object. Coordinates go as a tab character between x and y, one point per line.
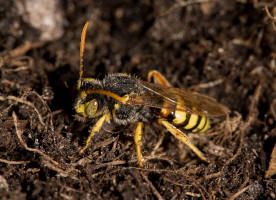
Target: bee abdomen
190	122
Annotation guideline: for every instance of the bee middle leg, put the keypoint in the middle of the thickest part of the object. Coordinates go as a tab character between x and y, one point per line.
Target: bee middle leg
96	128
158	78
183	138
137	139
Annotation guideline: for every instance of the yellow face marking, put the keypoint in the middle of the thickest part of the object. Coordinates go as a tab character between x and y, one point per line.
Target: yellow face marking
192	122
180	117
201	124
83	95
207	125
80	109
78	84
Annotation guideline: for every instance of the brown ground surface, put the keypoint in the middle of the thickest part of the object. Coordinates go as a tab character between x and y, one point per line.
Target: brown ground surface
226	49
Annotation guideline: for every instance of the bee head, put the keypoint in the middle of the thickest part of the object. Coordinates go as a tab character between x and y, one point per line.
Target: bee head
89	105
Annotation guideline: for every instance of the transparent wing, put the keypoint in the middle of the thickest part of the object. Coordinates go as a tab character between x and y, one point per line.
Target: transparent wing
157	96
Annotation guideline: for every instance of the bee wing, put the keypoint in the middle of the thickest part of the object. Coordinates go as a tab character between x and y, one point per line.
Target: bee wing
152	95
157	96
201	103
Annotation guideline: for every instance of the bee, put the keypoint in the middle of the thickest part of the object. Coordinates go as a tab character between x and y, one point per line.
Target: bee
123	99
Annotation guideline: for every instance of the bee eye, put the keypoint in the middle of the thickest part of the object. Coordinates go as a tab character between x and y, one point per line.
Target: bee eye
91	107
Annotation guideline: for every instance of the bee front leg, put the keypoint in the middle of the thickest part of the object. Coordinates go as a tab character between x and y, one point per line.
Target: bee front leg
158	78
183	138
96	128
137	139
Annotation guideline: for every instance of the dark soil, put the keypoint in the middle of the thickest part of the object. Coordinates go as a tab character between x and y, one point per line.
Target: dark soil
225	49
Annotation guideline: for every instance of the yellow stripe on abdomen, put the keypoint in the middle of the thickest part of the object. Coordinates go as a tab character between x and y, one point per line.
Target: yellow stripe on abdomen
187	121
179	117
206	125
203	125
200	124
192	122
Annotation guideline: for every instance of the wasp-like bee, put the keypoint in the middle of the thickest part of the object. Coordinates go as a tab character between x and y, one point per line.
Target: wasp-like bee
124	99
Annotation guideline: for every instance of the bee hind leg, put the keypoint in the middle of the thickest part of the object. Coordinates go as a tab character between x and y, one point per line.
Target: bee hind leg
183	138
137	139
96	128
158	78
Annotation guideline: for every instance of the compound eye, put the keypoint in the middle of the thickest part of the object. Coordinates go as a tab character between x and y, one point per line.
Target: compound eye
91	108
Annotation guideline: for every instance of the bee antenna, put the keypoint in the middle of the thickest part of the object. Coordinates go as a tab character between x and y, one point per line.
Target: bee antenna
82	47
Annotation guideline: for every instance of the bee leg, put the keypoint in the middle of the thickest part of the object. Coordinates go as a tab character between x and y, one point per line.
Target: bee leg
158	78
137	140
183	138
96	128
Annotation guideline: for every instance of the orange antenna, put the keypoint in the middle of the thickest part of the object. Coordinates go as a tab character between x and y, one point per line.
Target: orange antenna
123	100
82	47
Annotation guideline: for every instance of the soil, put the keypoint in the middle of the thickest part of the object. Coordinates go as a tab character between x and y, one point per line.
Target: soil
224	49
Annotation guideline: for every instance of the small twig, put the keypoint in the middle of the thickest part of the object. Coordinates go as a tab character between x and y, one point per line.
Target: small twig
21	50
112	163
61	172
272	108
240	192
158	144
272	164
193	194
154	190
56	112
160	156
183	4
176	183
19	134
253	111
47	107
207	85
199	189
250	119
273	18
20	100
214	175
13	162
252	115
49	162
18	69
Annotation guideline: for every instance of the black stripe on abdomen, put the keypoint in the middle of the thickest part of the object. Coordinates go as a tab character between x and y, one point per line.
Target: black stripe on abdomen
185	122
196	125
